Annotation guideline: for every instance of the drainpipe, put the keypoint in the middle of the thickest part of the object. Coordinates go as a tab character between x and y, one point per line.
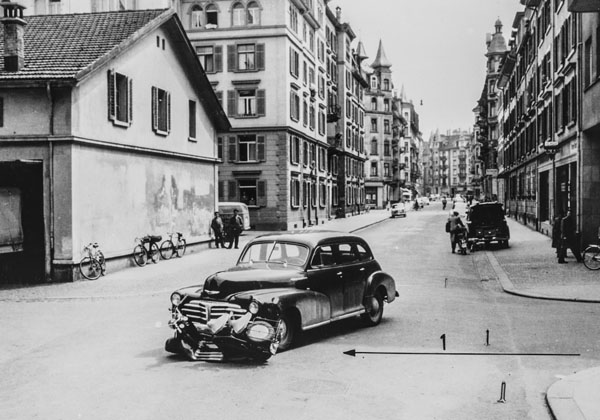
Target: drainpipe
51	172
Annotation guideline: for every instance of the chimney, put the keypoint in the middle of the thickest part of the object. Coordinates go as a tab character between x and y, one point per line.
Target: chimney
14	30
338	14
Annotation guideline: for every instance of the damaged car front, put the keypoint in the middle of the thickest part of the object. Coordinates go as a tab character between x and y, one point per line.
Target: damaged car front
210	328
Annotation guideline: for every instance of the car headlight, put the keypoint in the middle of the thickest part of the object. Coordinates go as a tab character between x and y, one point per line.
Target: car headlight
253	307
260	331
175	299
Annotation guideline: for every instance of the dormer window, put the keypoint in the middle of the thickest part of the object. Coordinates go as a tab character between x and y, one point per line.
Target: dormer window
373	82
386	84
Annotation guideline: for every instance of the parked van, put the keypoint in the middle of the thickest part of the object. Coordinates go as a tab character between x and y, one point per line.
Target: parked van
226	211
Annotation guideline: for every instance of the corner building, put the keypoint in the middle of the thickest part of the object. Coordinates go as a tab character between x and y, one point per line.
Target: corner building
285	73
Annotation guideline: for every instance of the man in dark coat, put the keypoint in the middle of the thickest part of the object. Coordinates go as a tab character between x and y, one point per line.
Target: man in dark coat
217	226
455	225
568	239
236	225
556	235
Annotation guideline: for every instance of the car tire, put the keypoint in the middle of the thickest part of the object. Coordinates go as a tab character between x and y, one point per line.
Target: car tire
288	330
374	314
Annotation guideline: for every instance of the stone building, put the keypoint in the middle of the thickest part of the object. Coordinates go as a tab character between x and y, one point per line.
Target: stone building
110	137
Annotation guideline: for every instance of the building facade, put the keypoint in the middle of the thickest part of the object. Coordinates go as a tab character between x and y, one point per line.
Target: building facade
130	122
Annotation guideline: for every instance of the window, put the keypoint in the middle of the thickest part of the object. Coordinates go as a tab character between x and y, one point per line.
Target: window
212	16
119	98
374	125
373	82
161	111
294	63
374	147
386	169
246	102
294	150
55	7
253	13
249	102
246	57
386	105
386	84
237	14
99	5
386	148
192	119
587	57
373	104
295	192
293	18
311	117
386	126
373	168
211	58
196	17
220	151
247	148
248	191
294	106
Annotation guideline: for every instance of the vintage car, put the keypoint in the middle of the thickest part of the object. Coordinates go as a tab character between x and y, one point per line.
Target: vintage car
398	210
486	223
282	284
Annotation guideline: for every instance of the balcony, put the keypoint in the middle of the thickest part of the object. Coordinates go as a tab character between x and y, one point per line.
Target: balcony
334	113
584	6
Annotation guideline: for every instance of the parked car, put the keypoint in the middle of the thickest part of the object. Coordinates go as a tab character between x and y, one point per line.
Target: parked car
398	210
486	223
226	211
286	283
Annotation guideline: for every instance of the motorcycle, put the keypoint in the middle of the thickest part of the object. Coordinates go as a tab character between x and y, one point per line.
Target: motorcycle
461	240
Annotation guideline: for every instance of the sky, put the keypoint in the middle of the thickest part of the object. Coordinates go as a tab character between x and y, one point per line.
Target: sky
437	49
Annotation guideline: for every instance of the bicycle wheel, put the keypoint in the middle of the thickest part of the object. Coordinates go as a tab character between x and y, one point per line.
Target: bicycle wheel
102	261
591	257
90	268
154	252
167	249
180	248
140	257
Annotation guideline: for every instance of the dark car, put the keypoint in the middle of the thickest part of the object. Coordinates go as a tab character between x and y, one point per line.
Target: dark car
285	283
486	223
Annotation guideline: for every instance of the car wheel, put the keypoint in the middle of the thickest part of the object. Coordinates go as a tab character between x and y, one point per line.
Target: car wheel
287	332
375	310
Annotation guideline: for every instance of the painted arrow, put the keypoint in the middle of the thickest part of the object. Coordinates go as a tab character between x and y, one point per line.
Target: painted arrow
353	353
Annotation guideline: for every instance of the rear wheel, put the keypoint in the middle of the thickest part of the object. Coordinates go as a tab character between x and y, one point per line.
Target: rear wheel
591	257
139	255
374	310
154	252
166	250
90	268
181	248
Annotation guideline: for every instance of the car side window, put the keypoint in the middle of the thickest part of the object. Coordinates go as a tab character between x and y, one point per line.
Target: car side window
323	257
363	253
346	254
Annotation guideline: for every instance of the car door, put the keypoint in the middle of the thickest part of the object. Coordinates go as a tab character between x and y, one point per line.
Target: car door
357	273
324	276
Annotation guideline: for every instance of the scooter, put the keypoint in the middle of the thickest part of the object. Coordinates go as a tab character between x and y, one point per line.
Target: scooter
461	240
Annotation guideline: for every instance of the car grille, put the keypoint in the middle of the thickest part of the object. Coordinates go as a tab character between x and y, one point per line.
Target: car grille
202	311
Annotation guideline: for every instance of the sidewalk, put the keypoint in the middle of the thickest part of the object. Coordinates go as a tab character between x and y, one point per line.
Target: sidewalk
529	268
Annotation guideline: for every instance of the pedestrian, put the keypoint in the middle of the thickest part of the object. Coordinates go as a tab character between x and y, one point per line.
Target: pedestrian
556	236
235	225
217	226
444	203
568	239
454	226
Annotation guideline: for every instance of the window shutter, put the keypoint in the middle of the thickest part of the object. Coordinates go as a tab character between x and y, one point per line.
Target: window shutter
231	101
154	109
260	140
231	64
232	149
168	112
292	115
291	61
218	58
261	187
111	95
260	102
219	94
221	194
232	190
130	100
260	56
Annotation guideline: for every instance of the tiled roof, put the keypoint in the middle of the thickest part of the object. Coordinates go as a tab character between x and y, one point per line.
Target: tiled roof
60	46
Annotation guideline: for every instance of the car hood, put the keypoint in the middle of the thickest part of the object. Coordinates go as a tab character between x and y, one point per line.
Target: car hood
243	278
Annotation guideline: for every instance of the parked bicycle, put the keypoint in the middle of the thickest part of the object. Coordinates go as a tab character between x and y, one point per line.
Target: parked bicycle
591	256
174	246
146	249
93	264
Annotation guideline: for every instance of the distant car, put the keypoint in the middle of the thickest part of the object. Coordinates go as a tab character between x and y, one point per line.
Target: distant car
226	211
486	223
398	210
282	284
423	201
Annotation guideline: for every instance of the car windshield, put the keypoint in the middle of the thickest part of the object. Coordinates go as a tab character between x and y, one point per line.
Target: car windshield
285	253
486	214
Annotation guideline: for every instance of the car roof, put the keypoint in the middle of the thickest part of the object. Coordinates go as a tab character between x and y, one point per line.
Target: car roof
488	204
310	238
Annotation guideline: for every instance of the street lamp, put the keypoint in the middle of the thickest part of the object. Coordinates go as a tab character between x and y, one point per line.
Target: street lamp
551	149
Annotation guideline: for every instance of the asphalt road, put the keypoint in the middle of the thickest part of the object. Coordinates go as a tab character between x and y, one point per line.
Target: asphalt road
103	358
